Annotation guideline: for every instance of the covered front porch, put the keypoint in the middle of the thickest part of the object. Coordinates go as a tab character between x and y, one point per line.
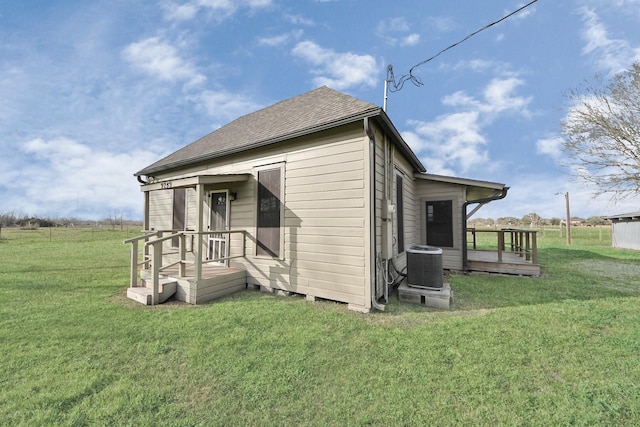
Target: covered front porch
154	278
504	251
187	243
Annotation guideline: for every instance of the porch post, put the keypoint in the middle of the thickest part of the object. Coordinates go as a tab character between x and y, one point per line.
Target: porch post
145	218
500	244
182	267
133	280
199	228
156	262
145	225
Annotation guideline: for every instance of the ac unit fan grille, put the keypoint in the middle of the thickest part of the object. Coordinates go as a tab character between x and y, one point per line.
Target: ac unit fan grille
424	267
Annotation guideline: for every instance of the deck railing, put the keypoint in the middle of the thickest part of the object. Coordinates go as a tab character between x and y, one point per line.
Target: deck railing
523	243
153	254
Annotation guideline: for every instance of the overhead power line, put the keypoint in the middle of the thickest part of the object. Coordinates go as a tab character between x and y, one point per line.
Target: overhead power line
396	86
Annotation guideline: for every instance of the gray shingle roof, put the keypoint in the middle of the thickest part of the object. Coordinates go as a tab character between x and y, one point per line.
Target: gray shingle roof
310	112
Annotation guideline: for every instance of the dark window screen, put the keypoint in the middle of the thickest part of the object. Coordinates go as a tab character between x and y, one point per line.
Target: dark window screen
400	213
179	199
269	212
440	223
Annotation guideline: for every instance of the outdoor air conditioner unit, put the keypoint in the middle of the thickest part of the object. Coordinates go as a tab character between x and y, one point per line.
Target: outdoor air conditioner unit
424	267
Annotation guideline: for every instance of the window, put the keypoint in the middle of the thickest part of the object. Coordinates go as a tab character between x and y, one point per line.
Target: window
400	213
439	216
179	211
269	212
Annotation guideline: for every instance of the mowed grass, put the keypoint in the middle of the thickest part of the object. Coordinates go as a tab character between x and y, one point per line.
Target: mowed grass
562	349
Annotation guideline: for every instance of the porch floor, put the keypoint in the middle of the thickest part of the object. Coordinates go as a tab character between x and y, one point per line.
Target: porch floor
487	261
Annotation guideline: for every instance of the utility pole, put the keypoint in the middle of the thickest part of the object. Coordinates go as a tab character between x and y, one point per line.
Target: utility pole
568	213
566	198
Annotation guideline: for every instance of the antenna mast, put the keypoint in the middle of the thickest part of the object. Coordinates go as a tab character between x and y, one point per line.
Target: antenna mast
386	86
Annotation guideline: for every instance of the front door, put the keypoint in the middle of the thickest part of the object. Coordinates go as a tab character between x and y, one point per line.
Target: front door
218	245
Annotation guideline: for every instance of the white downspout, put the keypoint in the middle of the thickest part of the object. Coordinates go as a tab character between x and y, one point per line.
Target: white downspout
372	213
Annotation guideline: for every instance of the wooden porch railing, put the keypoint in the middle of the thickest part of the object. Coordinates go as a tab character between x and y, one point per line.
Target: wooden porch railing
523	243
153	255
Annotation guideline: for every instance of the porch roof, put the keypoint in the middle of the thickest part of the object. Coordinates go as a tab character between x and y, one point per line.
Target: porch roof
476	189
633	216
193	181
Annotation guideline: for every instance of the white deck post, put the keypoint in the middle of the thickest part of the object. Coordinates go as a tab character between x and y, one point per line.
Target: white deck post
182	267
133	281
156	262
199	244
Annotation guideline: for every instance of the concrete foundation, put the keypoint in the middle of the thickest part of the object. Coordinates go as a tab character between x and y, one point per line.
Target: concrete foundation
430	297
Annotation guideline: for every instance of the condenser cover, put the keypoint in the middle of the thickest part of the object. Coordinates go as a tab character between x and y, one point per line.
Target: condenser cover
424	267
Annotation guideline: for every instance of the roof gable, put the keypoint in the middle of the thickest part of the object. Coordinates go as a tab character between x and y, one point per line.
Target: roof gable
476	190
316	110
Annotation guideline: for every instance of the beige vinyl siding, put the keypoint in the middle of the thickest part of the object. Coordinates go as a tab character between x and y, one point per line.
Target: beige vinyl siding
324	220
192	209
411	234
323	252
160	210
161	218
430	191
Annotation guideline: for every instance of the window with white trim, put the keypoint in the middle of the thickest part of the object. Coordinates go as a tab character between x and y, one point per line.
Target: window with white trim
269	212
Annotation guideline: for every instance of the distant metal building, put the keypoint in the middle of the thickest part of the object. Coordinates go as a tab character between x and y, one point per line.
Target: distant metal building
625	230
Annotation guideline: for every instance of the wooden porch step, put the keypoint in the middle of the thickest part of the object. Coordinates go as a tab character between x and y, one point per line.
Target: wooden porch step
143	294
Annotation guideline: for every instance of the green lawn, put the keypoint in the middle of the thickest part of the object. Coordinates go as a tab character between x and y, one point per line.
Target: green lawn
562	349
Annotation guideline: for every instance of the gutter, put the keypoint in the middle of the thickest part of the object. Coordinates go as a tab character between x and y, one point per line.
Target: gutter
499	196
372	213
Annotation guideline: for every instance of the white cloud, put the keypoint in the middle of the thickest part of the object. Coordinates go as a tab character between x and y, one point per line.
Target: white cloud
550	146
161	59
180	12
441	24
339	70
394	32
456	142
64	178
60	149
394	25
410	40
612	55
299	20
453	139
281	39
225	106
499	96
482	66
217	9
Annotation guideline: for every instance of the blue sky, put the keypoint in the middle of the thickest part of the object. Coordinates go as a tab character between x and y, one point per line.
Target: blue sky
93	91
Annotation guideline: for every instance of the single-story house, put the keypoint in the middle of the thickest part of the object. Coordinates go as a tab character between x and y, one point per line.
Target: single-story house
316	195
625	230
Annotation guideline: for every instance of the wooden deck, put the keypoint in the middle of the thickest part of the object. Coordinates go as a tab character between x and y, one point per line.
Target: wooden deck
195	281
512	263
